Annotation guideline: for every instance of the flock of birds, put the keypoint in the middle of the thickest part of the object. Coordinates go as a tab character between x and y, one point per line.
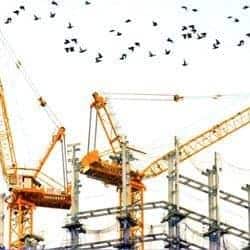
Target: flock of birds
72	45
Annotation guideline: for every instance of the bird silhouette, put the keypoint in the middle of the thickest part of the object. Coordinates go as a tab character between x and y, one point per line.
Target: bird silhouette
8	20
36	18
236	20
70	26
189	35
98	60
184	36
199	36
241	43
118	33
170	40
137	44
184	28
111	31
191	26
150	54
248	34
194	10
245	7
54	3
87	3
229	17
99	55
123	56
74	40
203	34
81	50
131	48
52	14
16	12
184	63
215	46
66	41
167	52
184	7
21	7
128	21
69	49
154	23
217	42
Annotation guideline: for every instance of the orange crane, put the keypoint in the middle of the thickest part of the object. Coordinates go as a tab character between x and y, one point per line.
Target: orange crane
95	166
26	191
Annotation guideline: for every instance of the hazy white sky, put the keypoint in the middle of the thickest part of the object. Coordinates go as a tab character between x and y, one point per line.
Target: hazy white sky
67	81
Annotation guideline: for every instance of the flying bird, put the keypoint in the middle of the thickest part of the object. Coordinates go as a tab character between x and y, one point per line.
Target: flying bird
21	7
150	54
184	28
236	20
167	52
248	34
194	10
137	44
70	26
87	3
215	46
229	17
184	7
217	42
16	12
118	33
66	41
8	20
97	60
154	23
131	48
245	7
54	3
99	55
123	56
128	21
170	40
81	50
111	31
184	63
241	43
74	40
36	18
52	14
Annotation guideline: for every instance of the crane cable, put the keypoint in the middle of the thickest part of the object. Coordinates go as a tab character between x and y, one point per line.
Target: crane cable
11	54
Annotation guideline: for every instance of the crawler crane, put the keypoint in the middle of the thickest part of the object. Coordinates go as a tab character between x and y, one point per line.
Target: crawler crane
95	166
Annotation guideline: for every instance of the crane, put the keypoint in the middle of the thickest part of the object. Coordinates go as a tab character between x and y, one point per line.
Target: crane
26	191
95	166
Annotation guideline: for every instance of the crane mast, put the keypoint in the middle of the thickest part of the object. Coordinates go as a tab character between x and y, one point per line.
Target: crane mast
7	151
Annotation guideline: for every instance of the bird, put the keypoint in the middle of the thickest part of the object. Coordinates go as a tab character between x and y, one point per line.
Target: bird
189	35
16	12
184	36
81	50
199	36
99	55
52	14
248	34
203	34
241	43
236	20
154	23
184	63
245	7
21	7
111	30
74	40
194	10
131	48
71	49
87	3
215	46
170	40
184	7
194	30
137	44
70	26
97	60
150	54
118	33
184	28
229	17
8	20
66	41
217	42
192	26
36	18
54	3
167	52
128	20
123	56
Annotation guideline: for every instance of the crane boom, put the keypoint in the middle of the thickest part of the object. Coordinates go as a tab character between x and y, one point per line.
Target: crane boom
55	138
200	142
7	153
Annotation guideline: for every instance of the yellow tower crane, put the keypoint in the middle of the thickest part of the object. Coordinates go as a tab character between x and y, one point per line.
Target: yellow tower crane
26	192
95	166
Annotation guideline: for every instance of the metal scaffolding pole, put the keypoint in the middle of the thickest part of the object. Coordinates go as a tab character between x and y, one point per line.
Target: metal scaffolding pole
214	233
174	216
247	188
125	220
74	226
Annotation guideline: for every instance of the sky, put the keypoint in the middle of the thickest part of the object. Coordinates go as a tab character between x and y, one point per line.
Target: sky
67	80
